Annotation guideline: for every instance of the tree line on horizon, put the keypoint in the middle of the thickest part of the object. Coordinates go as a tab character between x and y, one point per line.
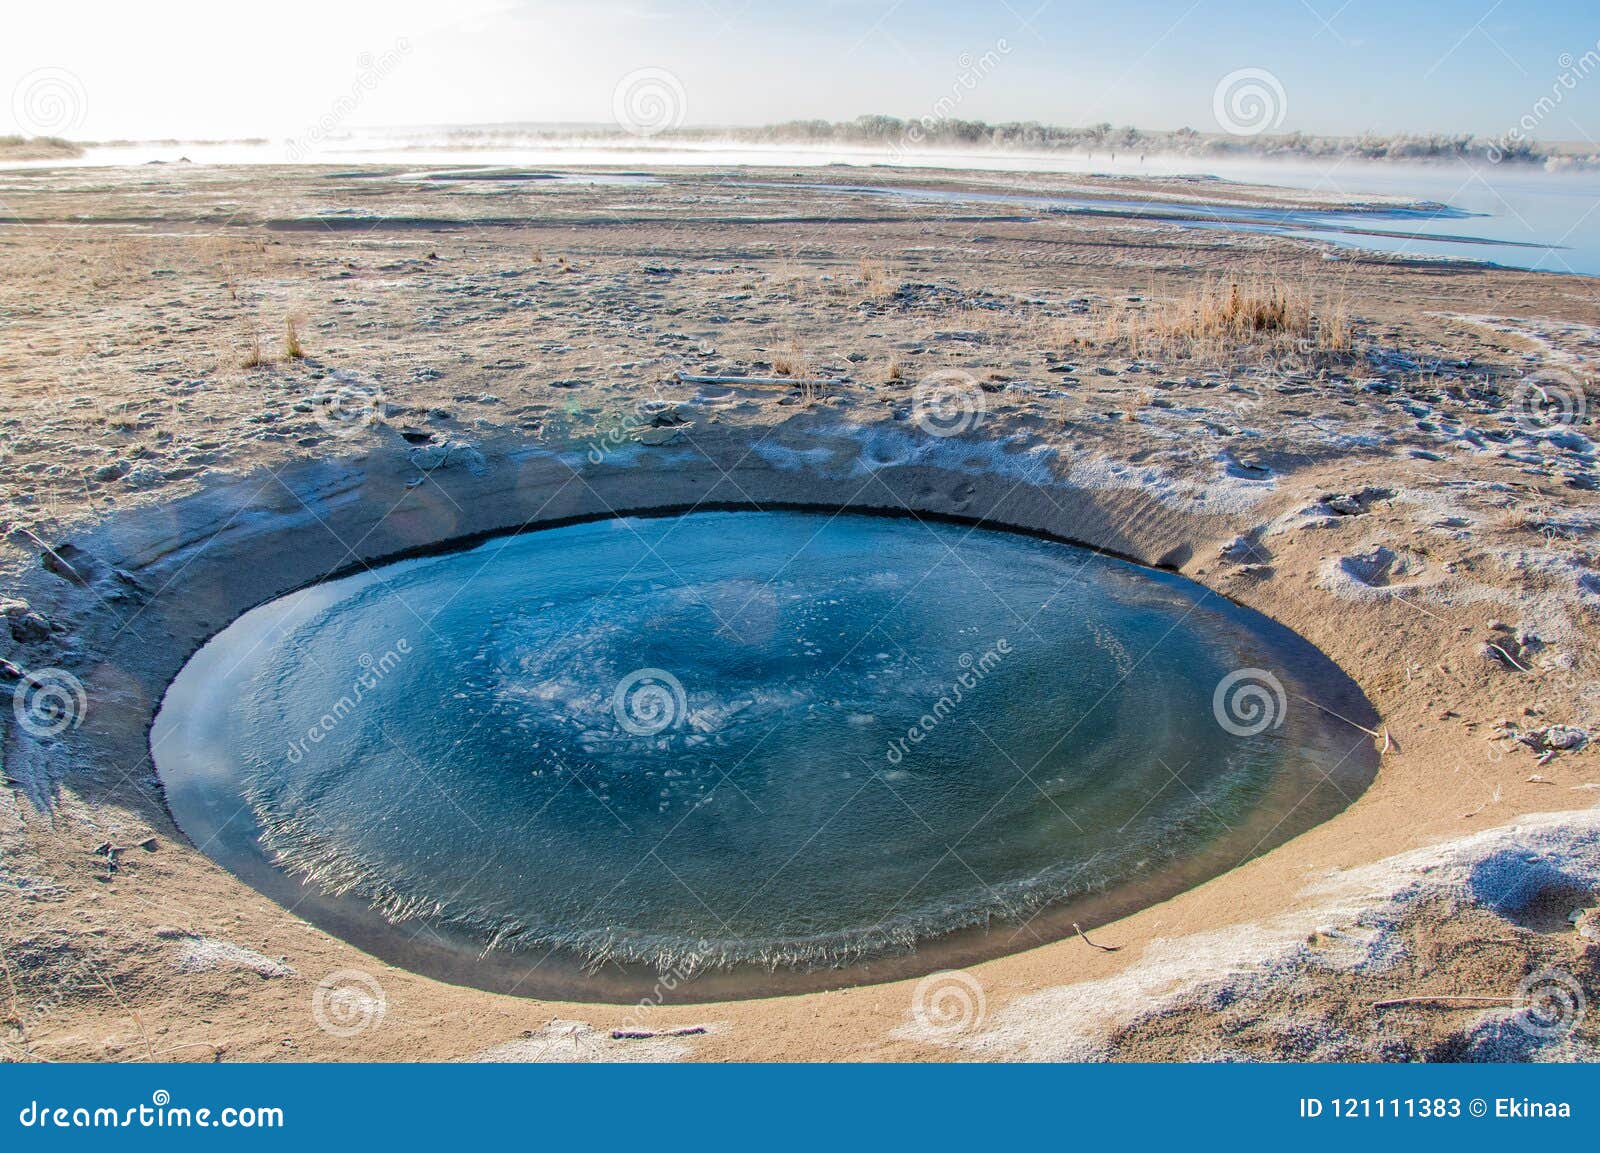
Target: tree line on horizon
895	133
892	131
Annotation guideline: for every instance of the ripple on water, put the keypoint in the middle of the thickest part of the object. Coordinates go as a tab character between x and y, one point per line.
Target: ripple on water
774	740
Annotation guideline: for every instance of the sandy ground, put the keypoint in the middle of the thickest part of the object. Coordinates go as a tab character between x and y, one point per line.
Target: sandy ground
478	354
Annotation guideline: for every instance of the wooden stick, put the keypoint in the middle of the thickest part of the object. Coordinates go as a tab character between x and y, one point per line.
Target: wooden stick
1443	999
1511	660
77	577
27	1054
1091	944
1373	733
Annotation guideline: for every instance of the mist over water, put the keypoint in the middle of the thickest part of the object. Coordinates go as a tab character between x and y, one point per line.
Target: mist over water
1514	214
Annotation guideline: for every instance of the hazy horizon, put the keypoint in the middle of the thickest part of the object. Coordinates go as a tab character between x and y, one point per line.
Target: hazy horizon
181	69
707	133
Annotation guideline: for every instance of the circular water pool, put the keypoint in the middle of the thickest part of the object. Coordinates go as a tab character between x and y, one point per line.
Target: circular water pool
759	751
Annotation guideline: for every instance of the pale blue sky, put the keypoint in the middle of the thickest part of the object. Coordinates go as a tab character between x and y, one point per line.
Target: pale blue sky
187	67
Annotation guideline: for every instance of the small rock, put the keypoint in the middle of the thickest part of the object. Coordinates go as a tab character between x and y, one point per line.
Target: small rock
1587	922
1564	737
1244	469
27	626
655	437
451	454
667	417
1237	551
142	477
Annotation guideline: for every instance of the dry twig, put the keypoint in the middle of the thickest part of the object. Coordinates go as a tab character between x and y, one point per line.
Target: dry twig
1091	944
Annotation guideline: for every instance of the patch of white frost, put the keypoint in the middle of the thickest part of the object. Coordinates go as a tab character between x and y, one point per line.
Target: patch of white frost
1224	493
209	954
1356	911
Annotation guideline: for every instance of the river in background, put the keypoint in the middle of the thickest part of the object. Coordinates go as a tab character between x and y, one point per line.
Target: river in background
1517	216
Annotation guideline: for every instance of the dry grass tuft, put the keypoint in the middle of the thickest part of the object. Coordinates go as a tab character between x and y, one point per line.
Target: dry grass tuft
1335	332
1518	520
875	276
1060	334
121	260
292	348
1219	318
894	370
1134	403
253	356
791	361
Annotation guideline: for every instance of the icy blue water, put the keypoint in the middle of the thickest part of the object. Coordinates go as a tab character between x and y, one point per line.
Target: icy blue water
746	739
1509	216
